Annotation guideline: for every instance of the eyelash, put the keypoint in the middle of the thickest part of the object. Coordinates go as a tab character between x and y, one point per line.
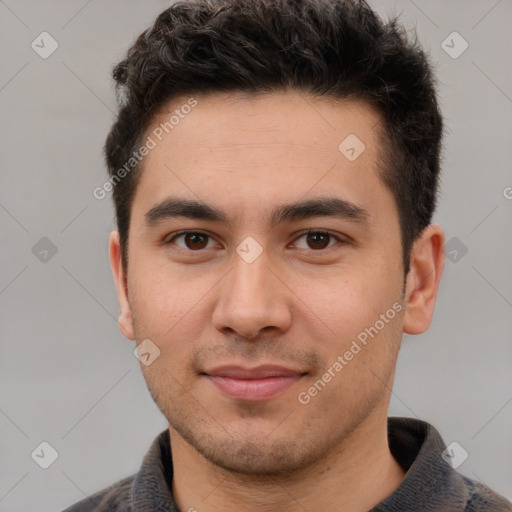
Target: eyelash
300	235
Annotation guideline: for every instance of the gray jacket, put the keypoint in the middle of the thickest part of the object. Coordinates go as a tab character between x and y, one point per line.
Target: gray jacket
430	484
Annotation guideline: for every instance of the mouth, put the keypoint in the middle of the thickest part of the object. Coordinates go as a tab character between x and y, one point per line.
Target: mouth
253	384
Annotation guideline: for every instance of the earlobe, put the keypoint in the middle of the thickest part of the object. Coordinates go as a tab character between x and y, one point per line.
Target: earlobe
125	317
423	279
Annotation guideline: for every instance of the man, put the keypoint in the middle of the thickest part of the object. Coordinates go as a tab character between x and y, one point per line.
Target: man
274	167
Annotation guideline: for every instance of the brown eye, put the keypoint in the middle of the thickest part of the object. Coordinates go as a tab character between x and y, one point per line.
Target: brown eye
318	240
191	240
195	241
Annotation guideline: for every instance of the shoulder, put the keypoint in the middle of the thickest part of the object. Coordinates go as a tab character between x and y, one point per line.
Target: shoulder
430	481
483	499
116	497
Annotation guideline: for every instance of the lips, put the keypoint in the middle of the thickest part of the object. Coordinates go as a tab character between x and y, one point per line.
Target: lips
253	384
260	372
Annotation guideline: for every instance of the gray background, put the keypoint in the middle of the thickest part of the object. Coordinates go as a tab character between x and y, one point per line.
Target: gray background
68	376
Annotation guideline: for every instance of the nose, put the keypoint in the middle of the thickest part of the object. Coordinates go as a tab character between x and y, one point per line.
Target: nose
252	299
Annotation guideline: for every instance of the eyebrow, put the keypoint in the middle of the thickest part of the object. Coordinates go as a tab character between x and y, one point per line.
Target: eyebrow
319	207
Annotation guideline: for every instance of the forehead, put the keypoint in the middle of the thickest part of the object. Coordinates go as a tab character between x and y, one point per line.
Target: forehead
244	151
299	119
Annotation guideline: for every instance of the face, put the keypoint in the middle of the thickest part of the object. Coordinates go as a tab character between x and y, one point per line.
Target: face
266	266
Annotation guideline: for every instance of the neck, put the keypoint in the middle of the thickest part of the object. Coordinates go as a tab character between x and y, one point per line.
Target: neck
359	472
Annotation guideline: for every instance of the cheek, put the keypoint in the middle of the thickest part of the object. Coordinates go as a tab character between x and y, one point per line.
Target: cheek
345	299
358	315
171	310
158	301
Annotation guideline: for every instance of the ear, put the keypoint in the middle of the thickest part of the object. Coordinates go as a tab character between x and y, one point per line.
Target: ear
125	317
423	279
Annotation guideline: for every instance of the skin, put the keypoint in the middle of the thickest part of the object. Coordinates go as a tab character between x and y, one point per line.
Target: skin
298	304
